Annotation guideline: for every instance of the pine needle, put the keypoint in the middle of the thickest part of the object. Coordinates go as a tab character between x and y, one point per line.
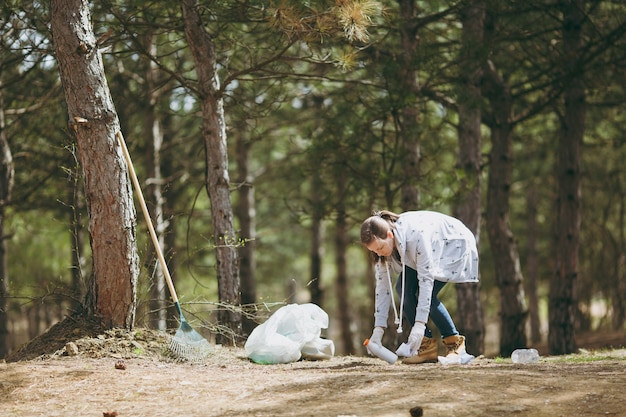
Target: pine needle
356	16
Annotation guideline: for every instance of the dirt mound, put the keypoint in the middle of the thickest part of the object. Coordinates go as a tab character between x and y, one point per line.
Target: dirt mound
78	335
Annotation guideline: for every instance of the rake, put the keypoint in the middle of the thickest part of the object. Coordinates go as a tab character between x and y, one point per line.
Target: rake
186	343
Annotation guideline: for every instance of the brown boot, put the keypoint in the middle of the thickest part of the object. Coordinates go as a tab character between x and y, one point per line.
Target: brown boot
426	353
455	344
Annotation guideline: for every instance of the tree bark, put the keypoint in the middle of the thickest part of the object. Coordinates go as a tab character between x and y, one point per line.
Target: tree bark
155	194
618	301
563	299
409	115
6	188
509	277
154	137
246	213
93	120
342	241
217	178
470	319
532	264
77	226
316	289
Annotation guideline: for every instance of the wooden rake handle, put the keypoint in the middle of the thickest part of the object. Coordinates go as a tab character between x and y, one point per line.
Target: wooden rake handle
146	215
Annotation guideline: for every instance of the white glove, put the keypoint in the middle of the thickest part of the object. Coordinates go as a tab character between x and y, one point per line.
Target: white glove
416	336
377	336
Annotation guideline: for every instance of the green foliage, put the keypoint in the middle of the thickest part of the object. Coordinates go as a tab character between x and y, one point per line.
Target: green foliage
39	255
316	101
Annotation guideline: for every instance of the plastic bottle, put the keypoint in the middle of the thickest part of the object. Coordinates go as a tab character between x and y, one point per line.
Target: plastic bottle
525	356
380	351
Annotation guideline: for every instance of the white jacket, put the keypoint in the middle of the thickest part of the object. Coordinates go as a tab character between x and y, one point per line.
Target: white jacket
438	247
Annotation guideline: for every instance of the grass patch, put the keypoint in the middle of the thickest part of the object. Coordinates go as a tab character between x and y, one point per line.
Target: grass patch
585	356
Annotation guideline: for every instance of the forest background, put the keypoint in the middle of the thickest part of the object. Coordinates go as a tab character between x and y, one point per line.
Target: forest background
508	115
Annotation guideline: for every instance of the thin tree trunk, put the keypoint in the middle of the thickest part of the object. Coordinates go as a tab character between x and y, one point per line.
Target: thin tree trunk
171	316
470	319
93	120
563	299
77	196
316	288
6	188
246	213
503	246
170	196
342	240
154	137
619	295
532	265
217	178
409	119
158	295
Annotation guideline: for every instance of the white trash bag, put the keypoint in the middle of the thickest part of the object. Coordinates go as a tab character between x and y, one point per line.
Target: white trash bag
291	333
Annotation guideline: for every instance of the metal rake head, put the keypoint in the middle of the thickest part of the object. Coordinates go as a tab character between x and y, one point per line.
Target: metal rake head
189	344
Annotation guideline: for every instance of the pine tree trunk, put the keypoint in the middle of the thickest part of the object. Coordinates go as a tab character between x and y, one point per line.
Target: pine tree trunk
77	243
563	299
532	265
342	240
618	299
246	213
409	116
155	195
217	177
93	120
316	289
470	319
6	187
153	134
503	246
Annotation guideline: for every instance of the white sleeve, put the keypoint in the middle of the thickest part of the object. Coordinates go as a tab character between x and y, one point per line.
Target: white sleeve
425	280
383	296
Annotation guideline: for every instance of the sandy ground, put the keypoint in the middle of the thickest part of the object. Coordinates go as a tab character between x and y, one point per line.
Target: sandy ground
77	369
115	376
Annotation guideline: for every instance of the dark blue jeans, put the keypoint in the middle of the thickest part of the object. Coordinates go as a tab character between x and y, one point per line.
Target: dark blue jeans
438	312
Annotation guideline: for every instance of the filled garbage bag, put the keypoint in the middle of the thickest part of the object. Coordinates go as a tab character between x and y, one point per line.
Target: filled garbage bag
291	333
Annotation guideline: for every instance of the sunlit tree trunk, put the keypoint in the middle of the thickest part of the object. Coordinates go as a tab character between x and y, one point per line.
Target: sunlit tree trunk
153	134
532	264
77	197
618	299
470	319
563	299
93	121
154	191
217	177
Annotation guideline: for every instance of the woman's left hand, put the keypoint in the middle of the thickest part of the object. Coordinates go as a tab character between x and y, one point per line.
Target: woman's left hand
416	336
